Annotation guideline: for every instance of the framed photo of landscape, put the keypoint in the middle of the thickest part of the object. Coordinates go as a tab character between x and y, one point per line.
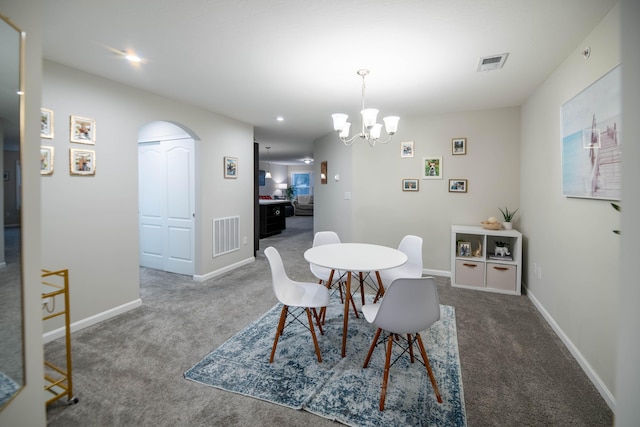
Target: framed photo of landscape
591	140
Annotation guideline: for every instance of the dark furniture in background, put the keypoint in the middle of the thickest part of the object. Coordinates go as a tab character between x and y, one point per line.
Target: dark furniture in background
272	217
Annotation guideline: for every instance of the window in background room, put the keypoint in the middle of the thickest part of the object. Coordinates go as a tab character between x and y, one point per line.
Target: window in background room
302	183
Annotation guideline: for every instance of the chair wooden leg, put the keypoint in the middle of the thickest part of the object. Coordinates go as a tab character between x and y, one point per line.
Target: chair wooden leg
355	310
362	287
313	334
385	378
410	347
373	346
317	317
428	366
283	318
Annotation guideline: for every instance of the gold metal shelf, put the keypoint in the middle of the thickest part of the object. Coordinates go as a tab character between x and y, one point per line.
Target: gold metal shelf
58	381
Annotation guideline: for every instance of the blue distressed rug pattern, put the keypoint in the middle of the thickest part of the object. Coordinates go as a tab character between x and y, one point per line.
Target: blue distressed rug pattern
339	388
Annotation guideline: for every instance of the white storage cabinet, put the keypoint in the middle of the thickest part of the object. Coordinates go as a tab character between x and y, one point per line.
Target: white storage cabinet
483	270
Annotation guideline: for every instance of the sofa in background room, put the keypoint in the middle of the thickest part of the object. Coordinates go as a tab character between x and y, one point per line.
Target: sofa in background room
303	205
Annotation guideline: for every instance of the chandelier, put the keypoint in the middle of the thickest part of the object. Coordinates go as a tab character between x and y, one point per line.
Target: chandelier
370	129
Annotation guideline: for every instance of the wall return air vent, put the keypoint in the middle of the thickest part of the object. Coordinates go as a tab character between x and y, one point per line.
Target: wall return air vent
493	62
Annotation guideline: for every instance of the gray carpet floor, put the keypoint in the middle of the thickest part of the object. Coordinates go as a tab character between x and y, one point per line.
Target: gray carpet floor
128	371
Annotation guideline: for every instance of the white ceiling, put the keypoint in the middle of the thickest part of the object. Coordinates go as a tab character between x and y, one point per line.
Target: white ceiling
253	60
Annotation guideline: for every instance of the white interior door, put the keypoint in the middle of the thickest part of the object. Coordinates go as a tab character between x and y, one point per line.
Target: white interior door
166	205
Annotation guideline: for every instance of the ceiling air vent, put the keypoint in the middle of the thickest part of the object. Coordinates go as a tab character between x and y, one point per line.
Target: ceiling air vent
494	62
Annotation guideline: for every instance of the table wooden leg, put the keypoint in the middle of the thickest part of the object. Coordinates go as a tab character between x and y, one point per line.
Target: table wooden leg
346	315
361	286
380	287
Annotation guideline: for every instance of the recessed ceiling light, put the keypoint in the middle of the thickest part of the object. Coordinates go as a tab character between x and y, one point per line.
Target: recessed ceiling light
280	119
133	58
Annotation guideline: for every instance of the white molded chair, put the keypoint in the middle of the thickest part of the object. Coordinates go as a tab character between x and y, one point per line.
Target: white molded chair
412	247
295	294
323	273
408	307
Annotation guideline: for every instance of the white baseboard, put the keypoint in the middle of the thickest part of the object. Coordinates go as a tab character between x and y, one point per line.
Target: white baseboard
92	320
440	273
212	274
595	379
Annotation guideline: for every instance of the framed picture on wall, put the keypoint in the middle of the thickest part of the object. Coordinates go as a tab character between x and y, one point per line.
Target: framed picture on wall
230	167
406	149
83	130
46	160
410	185
432	167
323	172
46	123
458	146
457	186
82	162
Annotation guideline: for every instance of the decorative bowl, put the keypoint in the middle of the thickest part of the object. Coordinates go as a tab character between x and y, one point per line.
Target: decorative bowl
491	225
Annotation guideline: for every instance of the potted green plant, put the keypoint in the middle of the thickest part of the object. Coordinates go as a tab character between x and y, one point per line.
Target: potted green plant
290	191
508	216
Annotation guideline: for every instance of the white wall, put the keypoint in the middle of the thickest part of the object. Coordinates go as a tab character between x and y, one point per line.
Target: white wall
90	223
27	408
571	239
378	202
628	374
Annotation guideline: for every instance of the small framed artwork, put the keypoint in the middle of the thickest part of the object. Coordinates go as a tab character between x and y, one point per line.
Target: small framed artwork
46	160
46	123
406	149
457	186
432	167
464	248
323	172
5	175
82	130
410	185
82	162
230	167
458	146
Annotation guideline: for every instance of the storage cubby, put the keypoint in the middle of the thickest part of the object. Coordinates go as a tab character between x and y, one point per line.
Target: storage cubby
476	264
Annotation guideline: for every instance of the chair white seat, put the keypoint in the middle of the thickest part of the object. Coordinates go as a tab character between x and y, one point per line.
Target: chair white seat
291	293
412	247
323	274
409	306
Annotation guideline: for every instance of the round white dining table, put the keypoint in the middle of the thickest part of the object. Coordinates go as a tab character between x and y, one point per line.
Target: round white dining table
354	257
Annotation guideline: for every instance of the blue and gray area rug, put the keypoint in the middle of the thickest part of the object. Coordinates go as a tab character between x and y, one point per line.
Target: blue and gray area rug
339	388
8	388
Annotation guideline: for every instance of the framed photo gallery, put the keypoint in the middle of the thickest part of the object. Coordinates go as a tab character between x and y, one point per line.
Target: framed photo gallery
82	130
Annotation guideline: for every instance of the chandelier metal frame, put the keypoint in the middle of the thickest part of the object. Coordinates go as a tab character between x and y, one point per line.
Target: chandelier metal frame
370	130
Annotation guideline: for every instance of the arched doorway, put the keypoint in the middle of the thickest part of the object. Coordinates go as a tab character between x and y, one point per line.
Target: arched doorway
166	197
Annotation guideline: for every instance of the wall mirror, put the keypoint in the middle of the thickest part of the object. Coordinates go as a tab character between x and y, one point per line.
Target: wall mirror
11	316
